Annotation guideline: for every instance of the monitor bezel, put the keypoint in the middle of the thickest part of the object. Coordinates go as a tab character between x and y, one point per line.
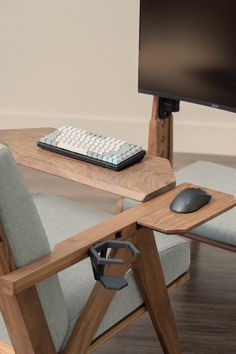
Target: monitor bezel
186	99
176	97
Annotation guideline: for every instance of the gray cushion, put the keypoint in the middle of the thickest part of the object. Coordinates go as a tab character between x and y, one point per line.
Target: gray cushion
61	219
222	178
28	241
211	175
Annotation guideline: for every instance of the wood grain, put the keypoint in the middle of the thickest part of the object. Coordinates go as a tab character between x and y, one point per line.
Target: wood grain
26	331
164	220
150	279
154	214
98	303
142	181
194	304
204	307
208	241
7	263
160	138
26	323
6	349
116	328
132	317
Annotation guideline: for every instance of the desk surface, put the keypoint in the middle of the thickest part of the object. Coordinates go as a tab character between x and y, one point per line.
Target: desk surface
142	181
164	220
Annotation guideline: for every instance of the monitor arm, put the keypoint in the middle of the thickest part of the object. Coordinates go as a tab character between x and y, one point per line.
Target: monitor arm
167	106
160	141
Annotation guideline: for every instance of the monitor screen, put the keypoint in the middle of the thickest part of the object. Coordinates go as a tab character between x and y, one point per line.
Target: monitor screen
187	51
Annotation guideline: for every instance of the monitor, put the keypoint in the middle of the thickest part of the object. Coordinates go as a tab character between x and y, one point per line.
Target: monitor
187	51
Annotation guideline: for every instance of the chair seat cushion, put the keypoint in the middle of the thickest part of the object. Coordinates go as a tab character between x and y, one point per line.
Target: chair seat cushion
63	218
222	178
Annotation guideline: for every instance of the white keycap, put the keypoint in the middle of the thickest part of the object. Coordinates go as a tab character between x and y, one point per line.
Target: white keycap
72	148
94	145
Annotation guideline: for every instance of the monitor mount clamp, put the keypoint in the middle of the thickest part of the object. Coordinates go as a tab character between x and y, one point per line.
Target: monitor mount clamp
167	106
160	141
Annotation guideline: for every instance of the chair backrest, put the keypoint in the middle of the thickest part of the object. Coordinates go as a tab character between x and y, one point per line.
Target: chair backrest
27	240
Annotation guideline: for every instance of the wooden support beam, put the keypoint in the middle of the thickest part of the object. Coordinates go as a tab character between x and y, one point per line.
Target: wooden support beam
7	349
97	304
154	214
150	279
160	140
132	317
19	310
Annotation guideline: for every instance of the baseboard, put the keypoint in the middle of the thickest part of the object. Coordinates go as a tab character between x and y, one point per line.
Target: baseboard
130	129
206	137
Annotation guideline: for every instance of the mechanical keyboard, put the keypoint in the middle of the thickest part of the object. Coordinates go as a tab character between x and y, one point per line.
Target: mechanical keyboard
92	147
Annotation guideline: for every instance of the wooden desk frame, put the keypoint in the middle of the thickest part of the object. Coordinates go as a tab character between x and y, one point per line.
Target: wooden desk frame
160	139
18	295
160	144
142	181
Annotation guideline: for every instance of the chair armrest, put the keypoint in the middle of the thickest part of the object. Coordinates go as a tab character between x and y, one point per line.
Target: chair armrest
154	214
72	250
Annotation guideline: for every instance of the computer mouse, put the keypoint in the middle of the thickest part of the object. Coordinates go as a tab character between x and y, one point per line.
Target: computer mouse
189	200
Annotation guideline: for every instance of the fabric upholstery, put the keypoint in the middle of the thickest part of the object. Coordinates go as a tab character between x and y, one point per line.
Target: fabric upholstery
28	241
215	176
61	217
31	237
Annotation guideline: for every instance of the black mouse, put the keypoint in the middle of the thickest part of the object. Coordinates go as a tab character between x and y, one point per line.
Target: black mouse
189	200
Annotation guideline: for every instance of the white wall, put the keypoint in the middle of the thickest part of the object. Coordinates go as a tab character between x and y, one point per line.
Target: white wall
76	61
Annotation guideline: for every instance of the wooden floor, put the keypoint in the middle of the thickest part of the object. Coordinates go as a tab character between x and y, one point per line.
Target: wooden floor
205	307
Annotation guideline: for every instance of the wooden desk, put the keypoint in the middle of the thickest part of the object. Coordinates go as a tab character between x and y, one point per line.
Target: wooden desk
164	220
142	181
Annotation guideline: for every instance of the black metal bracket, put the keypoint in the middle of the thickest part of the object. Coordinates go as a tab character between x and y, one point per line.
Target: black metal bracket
167	106
98	259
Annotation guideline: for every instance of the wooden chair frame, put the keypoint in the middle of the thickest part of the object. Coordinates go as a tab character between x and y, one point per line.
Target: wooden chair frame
19	298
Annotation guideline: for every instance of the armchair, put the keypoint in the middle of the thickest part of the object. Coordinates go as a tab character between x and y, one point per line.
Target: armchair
49	300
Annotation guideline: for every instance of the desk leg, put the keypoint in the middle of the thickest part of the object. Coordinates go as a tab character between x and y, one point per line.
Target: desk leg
150	279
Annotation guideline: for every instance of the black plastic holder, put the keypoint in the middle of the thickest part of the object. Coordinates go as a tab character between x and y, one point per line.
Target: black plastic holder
167	106
98	257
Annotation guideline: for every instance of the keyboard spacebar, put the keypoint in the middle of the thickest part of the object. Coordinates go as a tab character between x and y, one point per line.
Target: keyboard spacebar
73	148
